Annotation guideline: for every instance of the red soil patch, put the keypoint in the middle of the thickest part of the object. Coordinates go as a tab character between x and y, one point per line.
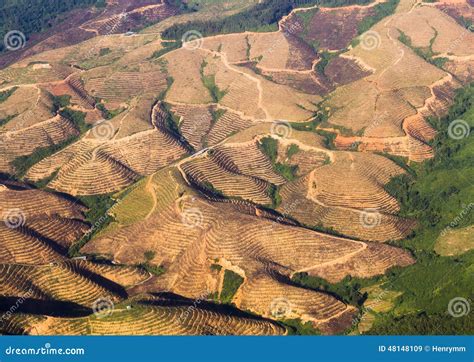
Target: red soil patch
343	71
333	29
302	55
307	82
458	11
339	71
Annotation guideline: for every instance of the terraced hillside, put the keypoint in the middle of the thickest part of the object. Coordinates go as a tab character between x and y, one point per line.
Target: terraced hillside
74	26
143	319
239	183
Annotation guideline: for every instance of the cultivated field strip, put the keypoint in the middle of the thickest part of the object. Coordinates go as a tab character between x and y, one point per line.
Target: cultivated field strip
114	175
320	308
227	181
79	285
146	320
54	282
366	224
195	123
35	203
306	160
122	86
37	227
375	257
24	246
208	125
362	186
193	233
92	166
77	86
246	159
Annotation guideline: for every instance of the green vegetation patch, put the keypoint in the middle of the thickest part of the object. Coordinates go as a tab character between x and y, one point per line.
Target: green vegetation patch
381	11
97	216
216	115
209	82
329	138
216	267
324	61
319	118
108	114
149	255
249	47
167	47
97	205
296	327
36	15
292	150
43	183
101	4
287	171
6	94
263	16
172	122
169	82
439	196
426	53
59	102
210	188
22	164
269	146
104	51
232	282
467	23
305	18
76	117
274	193
422	324
152	268
4	121
348	289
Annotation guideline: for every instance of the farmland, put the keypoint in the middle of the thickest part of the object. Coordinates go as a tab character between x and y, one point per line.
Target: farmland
270	170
